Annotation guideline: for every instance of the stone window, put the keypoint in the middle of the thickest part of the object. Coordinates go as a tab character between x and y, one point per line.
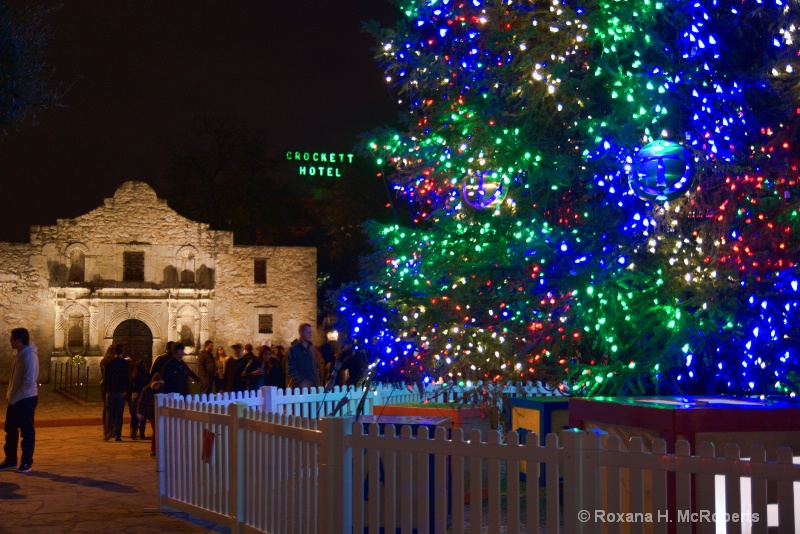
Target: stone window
264	323
187	271
75	333
260	271
187	255
133	266
76	267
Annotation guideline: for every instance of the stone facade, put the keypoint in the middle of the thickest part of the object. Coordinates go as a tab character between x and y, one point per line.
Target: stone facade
136	272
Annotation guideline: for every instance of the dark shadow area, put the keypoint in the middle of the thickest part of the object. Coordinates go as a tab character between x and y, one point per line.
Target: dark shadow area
105	485
76	272
8	491
187	336
205	277
187	277
58	273
170	277
193	520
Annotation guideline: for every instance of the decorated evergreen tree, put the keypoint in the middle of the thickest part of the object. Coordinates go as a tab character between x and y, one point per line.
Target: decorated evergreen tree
605	192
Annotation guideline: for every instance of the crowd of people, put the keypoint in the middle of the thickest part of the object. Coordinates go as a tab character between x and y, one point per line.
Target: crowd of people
123	380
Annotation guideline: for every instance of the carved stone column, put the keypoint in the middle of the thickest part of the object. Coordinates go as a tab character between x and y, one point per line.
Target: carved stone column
58	332
86	329
203	332
93	330
172	328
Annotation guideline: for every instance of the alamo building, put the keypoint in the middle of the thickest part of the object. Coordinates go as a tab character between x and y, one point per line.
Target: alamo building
135	272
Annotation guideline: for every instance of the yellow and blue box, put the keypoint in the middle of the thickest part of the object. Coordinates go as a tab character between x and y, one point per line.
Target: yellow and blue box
543	415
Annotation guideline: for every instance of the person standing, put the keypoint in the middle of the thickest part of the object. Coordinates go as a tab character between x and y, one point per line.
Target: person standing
139	380
329	354
354	366
117	376
302	363
109	355
206	368
220	378
146	407
22	397
281	353
256	369
234	367
276	375
161	359
175	372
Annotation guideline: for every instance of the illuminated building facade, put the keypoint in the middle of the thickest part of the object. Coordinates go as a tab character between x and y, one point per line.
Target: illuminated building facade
135	272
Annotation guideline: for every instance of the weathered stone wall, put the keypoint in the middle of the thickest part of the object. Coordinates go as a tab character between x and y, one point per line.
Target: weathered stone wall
133	220
289	294
133	215
24	302
195	281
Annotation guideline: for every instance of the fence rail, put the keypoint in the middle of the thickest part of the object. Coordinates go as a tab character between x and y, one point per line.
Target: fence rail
258	471
313	402
71	379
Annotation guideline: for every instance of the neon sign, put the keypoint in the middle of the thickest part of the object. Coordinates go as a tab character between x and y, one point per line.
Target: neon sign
328	164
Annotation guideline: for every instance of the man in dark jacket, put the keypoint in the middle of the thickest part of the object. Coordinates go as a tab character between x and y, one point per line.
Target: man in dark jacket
256	369
206	367
161	359
116	377
175	372
234	367
276	375
302	364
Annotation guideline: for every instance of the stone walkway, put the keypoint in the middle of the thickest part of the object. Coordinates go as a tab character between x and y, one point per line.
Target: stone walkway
80	483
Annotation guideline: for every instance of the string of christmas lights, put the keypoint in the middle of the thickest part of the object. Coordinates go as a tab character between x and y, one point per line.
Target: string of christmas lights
530	128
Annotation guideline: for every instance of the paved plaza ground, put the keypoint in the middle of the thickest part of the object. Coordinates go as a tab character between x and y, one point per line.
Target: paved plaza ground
80	483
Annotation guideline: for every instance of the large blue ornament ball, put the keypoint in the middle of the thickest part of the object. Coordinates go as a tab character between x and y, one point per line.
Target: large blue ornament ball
661	171
483	189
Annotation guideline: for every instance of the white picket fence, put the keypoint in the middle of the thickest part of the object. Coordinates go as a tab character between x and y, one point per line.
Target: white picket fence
472	391
316	403
279	473
312	402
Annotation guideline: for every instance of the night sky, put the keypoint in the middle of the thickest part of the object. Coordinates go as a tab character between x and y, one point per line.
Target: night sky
142	72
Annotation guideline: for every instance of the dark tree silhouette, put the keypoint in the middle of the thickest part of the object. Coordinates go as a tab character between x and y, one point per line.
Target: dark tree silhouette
26	85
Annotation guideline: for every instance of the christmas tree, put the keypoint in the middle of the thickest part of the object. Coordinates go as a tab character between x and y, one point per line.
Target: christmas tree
604	196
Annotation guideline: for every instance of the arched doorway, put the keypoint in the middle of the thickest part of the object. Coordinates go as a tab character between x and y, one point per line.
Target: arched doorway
136	338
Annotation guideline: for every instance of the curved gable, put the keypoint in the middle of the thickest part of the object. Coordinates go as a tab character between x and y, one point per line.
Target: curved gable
134	214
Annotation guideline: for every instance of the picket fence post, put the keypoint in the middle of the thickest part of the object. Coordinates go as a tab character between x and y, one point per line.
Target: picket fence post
236	462
269	392
336	473
591	477
572	480
581	480
159	429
